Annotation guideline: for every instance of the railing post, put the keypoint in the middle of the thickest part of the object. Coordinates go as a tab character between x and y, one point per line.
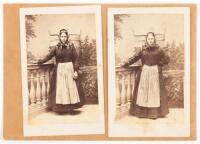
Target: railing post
48	82
133	76
43	90
118	95
38	90
32	91
128	89
125	83
39	80
123	92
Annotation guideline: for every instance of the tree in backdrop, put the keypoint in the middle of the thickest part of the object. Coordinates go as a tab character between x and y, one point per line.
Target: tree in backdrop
88	80
29	20
176	54
88	52
118	20
174	82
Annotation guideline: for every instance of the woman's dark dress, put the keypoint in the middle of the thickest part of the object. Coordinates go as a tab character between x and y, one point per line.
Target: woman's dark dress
62	53
150	55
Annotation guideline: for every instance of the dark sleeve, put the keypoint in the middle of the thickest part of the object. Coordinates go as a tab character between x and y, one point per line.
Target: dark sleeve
133	59
74	58
48	56
164	58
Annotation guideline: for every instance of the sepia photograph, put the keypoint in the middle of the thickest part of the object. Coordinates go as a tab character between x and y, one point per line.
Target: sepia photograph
62	70
149	72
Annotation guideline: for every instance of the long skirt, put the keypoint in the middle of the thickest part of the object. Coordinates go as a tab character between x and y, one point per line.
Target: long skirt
63	95
157	106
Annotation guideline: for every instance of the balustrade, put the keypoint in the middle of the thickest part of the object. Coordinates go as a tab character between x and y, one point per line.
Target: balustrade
125	83
38	85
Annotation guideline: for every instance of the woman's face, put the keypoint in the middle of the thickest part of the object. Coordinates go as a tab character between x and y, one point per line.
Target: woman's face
150	39
63	37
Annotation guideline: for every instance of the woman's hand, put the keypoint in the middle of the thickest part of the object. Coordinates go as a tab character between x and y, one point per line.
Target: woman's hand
75	75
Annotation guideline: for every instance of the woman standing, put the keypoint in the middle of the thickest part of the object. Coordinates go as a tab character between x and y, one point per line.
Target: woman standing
149	97
63	95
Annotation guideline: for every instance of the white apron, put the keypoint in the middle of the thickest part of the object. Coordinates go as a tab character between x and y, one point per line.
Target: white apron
149	87
66	89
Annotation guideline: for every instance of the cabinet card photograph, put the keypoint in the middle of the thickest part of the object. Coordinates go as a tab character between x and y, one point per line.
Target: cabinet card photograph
149	72
62	70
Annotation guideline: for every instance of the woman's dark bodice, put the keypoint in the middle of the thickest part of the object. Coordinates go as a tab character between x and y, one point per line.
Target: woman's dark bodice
149	56
62	53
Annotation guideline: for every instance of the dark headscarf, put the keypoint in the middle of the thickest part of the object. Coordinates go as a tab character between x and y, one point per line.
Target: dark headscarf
154	45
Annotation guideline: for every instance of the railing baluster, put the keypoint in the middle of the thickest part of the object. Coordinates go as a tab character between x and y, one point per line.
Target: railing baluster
43	90
38	90
123	92
133	76
125	84
29	97
39	86
118	95
48	82
32	91
128	89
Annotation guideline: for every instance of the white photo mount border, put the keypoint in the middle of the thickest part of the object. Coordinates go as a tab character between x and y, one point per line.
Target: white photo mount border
123	130
67	129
